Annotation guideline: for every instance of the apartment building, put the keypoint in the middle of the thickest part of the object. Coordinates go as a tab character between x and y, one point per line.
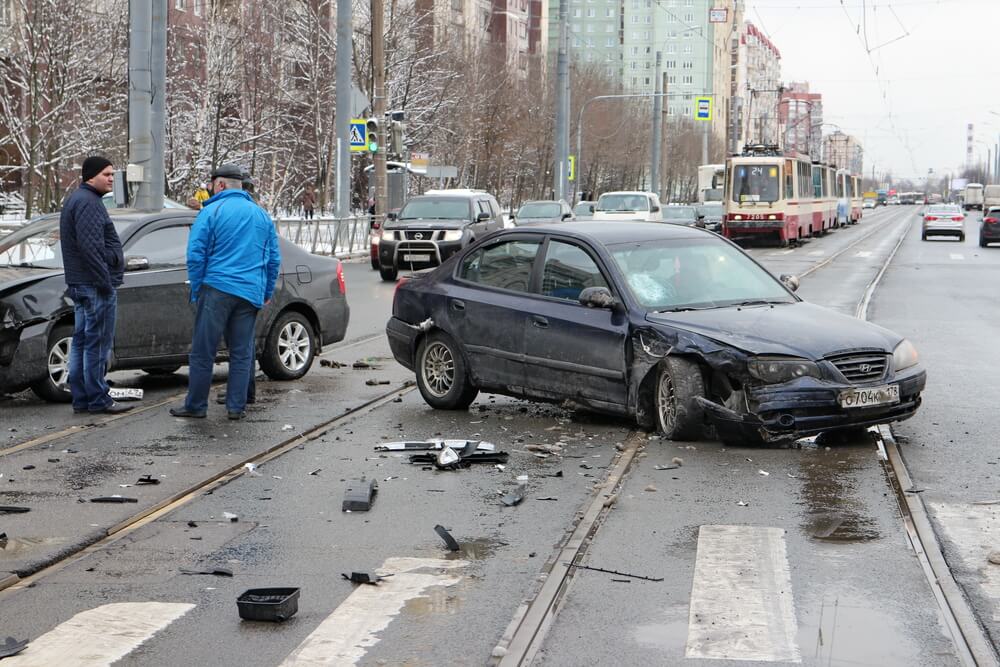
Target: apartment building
800	118
756	94
844	151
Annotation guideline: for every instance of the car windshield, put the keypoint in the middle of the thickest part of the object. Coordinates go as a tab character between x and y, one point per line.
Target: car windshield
622	203
37	245
694	274
679	213
539	210
435	209
755	183
710	210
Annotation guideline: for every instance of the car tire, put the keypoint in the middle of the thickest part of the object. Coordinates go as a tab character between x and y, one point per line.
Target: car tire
375	262
442	377
961	238
388	273
290	347
982	242
54	387
678	414
166	370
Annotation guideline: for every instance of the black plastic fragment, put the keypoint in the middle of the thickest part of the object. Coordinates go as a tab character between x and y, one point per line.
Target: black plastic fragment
362	578
114	499
216	571
147	479
513	498
13	509
449	541
192	524
359	495
12	646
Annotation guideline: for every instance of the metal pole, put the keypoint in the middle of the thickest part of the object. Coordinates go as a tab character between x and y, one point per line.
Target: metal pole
562	106
654	170
708	86
378	104
343	119
147	79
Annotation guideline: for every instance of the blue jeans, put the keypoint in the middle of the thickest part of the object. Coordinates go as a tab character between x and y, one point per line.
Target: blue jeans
93	334
220	314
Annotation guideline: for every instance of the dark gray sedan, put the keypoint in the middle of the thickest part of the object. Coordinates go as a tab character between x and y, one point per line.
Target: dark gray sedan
680	215
543	212
155	317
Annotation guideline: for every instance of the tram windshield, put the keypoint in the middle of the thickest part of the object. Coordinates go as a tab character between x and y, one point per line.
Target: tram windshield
755	183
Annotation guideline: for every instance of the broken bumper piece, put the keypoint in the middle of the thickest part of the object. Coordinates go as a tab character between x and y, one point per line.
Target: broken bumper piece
801	409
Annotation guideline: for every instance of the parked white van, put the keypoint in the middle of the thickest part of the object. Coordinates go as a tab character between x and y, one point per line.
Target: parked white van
629	205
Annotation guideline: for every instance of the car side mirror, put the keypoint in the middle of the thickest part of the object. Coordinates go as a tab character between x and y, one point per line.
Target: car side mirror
655	209
483	215
136	263
789	281
567	216
597	297
392	215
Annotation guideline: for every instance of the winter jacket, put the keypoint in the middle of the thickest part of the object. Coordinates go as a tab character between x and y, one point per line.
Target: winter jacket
91	249
233	247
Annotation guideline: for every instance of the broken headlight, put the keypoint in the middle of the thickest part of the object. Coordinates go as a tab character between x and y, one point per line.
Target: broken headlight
775	370
904	356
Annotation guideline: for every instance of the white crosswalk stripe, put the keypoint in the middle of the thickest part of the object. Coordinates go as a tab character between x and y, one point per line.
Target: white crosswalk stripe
345	636
864	254
741	598
99	637
956	255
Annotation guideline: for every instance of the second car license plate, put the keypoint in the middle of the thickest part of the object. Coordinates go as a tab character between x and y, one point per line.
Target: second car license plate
870	397
416	258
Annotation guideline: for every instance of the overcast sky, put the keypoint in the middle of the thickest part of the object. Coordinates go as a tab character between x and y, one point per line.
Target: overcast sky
941	73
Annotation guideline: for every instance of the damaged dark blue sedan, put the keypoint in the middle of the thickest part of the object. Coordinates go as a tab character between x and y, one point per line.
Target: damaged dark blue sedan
674	327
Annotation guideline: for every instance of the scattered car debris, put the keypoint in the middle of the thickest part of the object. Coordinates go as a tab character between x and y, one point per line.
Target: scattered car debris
501	467
146	480
614	572
913	489
13	509
557	473
586	466
12	646
547	498
374	383
612	499
28	467
233	518
465	458
513	498
214	571
369	578
651	488
994	558
251	469
449	541
359	495
743	504
544	448
287	427
114	499
192	524
434	444
53	460
268	604
677	461
670	467
316	471
330	363
763	473
447	458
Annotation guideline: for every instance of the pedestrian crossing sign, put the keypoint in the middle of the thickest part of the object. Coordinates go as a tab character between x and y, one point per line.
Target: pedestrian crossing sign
359	143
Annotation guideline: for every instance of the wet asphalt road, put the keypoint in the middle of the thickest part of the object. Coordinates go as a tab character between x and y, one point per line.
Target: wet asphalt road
853	580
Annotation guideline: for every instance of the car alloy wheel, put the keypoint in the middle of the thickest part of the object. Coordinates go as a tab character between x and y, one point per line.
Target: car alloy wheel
666	402
294	346
438	369
59	363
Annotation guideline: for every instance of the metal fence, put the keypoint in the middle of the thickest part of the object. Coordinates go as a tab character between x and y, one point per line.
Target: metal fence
329	236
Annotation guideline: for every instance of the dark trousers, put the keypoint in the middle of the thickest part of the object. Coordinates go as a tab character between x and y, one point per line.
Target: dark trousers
220	314
93	334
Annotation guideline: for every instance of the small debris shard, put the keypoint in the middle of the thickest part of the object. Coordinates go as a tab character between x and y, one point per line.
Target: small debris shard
449	541
763	473
316	471
28	467
359	495
214	571
651	488
330	363
13	509
12	646
114	499
375	383
369	578
232	517
994	558
513	498
287	427
192	524
743	504
547	498
146	480
544	448
669	467
677	461
251	469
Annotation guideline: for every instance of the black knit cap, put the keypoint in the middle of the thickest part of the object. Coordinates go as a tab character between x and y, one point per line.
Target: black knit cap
94	165
228	170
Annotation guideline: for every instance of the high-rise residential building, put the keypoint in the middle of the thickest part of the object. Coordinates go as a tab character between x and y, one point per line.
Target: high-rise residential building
843	151
757	64
800	115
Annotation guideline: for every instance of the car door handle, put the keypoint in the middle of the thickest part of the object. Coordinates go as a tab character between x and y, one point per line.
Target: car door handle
539	321
457	305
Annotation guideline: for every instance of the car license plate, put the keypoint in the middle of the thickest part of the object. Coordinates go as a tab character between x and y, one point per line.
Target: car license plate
416	258
870	397
125	394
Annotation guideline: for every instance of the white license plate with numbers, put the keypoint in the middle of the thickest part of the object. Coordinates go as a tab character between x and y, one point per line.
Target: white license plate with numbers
870	397
416	258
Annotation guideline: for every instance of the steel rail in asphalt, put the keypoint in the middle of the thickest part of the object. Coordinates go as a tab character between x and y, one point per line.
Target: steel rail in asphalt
834	256
970	639
526	632
198	489
140	409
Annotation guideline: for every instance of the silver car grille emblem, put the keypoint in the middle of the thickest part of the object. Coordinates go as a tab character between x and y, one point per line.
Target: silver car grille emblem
418	236
865	368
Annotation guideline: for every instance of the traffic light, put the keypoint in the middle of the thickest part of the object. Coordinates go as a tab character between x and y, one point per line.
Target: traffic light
371	134
396	137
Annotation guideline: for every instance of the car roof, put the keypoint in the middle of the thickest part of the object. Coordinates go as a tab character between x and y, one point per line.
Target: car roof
611	233
455	192
628	192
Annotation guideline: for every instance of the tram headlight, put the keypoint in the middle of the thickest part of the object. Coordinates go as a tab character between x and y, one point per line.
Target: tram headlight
772	217
737	217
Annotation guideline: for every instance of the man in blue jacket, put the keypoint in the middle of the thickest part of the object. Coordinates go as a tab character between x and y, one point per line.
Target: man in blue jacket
94	266
233	261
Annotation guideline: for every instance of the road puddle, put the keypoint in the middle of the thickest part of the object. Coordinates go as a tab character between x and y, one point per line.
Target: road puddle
835	509
436	601
475	549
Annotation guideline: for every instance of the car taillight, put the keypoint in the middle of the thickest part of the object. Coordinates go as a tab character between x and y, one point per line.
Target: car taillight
957	218
399	283
340	278
991	221
930	217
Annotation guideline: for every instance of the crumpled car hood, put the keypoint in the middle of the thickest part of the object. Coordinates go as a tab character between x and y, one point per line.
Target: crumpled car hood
12	277
796	329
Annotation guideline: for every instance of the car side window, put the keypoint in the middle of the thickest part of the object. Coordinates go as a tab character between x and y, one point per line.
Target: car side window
483	207
504	265
163	247
568	270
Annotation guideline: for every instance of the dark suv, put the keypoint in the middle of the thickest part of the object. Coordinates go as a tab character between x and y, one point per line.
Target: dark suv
433	226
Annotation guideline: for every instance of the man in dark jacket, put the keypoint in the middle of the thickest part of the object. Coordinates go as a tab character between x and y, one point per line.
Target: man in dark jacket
94	267
233	262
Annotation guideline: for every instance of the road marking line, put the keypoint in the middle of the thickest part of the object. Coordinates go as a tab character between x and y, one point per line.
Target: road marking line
817	253
741	597
864	254
99	636
972	529
956	255
345	636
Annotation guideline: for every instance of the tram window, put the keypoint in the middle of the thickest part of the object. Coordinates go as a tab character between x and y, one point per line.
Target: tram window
817	179
789	180
755	183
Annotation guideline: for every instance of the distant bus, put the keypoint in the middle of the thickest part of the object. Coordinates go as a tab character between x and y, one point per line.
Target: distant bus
711	182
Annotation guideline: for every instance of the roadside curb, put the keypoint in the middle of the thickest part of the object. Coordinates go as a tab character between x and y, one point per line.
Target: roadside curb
9	580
